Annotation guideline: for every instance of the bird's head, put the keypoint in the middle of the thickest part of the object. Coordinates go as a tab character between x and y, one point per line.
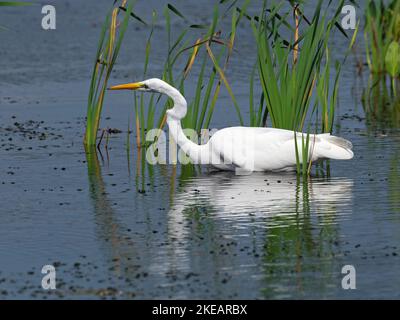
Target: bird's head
160	86
150	85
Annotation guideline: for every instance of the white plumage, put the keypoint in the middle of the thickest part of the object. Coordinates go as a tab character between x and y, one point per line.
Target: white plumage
244	148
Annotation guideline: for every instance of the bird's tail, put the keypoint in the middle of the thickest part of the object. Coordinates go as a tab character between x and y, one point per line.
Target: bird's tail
333	147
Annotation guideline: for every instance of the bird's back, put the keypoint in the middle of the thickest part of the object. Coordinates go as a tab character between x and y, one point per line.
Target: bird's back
270	149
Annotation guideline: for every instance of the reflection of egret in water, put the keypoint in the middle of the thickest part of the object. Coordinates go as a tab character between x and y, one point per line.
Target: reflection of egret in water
271	217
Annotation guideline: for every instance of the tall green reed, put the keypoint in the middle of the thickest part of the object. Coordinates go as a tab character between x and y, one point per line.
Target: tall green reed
108	49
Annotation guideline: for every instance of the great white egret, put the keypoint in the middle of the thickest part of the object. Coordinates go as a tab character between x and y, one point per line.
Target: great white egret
243	148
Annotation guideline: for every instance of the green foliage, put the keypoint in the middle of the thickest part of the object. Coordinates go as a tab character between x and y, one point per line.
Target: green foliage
382	29
392	59
288	83
382	37
295	74
108	49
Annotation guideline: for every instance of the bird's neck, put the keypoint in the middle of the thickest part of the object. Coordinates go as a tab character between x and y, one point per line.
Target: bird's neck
198	153
179	110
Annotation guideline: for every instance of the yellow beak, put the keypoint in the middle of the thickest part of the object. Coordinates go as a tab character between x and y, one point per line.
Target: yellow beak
128	86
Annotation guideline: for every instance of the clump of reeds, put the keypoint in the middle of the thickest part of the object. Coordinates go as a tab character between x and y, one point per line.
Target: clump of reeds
295	74
291	72
111	37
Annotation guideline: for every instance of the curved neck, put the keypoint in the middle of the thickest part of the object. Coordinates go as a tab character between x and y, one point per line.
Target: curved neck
198	153
179	109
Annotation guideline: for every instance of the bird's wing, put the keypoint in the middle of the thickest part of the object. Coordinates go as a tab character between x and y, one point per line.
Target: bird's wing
244	147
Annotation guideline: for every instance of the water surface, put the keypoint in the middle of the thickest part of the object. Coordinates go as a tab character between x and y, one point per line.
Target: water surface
115	227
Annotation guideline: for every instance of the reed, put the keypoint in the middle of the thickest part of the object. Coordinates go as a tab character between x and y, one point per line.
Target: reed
110	42
289	85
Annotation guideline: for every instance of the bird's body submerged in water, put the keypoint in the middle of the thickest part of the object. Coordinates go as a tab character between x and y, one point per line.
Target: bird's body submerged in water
244	148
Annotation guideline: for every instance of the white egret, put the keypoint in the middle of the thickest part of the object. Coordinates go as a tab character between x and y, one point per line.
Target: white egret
243	148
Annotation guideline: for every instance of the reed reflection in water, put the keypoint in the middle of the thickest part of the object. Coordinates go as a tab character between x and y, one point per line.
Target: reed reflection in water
291	225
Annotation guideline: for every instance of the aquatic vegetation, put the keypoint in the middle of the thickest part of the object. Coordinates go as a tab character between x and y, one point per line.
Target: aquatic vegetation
294	75
382	36
108	49
291	73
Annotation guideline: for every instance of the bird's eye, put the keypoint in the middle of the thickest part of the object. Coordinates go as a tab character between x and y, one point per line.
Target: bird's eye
145	86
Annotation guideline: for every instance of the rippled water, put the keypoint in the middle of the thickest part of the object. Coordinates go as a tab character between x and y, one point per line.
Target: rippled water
116	227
